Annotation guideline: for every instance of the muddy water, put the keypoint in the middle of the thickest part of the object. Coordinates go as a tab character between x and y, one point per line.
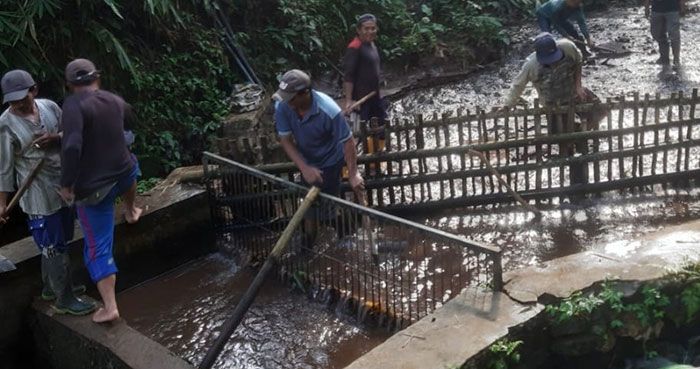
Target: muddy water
605	222
633	72
184	310
609	224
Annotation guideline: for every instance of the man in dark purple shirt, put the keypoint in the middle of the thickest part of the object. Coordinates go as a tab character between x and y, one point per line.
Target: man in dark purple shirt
97	168
362	74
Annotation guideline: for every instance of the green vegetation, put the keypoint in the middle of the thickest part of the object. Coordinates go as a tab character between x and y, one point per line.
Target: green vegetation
165	56
313	34
160	55
503	354
146	185
648	310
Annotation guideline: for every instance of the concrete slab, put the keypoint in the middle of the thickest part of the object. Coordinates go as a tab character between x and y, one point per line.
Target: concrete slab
463	327
77	342
649	257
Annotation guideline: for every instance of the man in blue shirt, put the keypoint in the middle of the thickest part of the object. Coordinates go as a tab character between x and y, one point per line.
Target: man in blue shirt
555	14
322	141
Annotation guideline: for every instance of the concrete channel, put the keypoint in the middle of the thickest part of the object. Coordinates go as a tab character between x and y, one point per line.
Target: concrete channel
449	337
174	230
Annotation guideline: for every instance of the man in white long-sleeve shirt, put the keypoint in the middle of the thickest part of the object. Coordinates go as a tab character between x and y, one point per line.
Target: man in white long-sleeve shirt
29	133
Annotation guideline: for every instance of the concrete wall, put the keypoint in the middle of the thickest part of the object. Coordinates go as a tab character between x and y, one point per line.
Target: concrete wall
174	229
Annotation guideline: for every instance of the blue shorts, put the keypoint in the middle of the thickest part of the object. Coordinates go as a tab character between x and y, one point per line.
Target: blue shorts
52	233
97	223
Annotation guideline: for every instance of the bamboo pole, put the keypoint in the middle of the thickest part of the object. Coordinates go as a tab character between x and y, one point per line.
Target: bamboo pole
25	186
247	300
505	184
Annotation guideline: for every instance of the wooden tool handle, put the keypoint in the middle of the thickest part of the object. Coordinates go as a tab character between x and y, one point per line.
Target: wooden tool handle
362	101
25	186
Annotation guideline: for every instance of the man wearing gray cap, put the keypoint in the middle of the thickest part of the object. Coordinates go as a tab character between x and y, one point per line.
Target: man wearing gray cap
97	168
29	133
323	138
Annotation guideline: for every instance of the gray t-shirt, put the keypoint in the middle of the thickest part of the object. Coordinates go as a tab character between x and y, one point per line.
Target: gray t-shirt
16	162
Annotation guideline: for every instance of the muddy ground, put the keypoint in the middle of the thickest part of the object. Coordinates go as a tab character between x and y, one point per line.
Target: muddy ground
636	71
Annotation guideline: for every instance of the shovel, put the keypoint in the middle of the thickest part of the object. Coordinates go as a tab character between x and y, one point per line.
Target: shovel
6	265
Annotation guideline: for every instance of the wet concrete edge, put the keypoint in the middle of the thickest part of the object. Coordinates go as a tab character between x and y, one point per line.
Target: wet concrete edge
464	328
76	342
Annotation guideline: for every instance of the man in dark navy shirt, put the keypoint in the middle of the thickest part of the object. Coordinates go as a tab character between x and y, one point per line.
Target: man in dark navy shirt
97	168
665	24
362	74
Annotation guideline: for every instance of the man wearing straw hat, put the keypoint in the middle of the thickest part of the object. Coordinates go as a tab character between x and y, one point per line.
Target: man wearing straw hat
30	138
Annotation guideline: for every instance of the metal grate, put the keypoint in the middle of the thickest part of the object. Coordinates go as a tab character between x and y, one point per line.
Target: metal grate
373	263
429	164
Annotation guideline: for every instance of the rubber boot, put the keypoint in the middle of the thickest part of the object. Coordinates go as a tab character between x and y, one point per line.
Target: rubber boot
58	272
677	56
663	55
47	293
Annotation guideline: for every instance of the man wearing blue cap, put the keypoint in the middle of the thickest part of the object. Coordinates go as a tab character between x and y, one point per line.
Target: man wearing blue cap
30	134
555	71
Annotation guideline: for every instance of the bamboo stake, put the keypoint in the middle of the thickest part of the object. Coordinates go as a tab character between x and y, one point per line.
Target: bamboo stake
25	186
505	184
247	300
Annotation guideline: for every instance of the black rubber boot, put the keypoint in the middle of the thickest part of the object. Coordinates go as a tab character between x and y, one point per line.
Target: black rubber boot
663	55
58	273
47	293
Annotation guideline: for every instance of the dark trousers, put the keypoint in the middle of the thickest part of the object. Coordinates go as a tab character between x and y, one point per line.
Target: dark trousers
557	124
665	26
374	111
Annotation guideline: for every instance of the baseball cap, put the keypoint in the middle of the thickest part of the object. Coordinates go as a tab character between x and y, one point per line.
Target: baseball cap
81	71
15	85
546	49
291	83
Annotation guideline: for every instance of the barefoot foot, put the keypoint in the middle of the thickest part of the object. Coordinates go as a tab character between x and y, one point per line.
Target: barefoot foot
132	215
103	315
